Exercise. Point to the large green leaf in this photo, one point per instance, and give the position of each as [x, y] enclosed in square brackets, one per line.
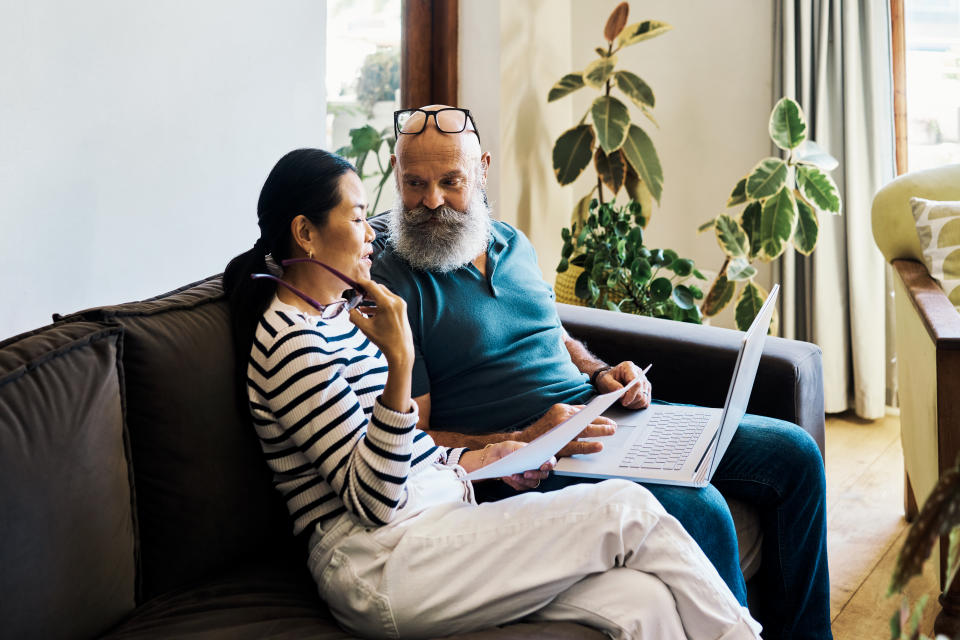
[640, 31]
[731, 237]
[787, 126]
[750, 222]
[599, 71]
[719, 296]
[572, 153]
[751, 299]
[611, 119]
[638, 90]
[739, 193]
[766, 178]
[808, 227]
[818, 188]
[567, 84]
[612, 169]
[638, 148]
[739, 269]
[776, 223]
[811, 153]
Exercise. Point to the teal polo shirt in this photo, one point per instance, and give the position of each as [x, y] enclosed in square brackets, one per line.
[489, 350]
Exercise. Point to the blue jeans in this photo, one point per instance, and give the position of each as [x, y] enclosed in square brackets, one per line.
[776, 467]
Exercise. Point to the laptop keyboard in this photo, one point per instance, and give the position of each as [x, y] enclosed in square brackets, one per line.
[672, 438]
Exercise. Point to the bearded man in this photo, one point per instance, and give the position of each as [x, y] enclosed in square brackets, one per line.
[493, 362]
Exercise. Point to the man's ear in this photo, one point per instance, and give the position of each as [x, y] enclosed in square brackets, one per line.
[393, 160]
[485, 163]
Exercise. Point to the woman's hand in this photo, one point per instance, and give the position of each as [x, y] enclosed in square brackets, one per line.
[473, 460]
[388, 328]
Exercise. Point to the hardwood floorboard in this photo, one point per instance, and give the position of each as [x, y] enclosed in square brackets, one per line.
[865, 528]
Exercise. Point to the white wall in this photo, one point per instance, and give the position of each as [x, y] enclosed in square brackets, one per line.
[135, 137]
[712, 78]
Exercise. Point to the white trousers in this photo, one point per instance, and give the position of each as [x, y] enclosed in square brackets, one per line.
[606, 555]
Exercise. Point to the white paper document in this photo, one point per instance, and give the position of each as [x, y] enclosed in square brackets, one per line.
[540, 450]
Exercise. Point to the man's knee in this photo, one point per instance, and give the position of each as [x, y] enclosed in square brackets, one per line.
[702, 512]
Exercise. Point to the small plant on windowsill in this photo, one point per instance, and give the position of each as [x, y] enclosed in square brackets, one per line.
[620, 274]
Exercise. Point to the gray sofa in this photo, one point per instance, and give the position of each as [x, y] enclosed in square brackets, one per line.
[134, 502]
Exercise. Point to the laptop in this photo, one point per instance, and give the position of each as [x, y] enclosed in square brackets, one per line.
[677, 445]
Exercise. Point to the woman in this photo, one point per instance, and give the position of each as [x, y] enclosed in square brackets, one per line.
[398, 545]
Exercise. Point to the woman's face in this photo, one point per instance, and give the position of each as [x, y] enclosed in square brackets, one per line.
[344, 242]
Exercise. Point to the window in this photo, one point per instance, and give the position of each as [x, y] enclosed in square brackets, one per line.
[932, 57]
[363, 87]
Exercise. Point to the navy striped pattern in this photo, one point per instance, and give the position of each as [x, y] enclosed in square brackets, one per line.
[314, 388]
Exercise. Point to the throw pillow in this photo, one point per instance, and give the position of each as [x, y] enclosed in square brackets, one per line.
[938, 227]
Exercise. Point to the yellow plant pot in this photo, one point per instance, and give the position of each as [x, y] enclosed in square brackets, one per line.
[563, 287]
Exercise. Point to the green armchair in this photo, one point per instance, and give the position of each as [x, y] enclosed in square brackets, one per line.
[928, 350]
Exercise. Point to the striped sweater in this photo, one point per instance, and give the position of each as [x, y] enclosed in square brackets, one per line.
[314, 388]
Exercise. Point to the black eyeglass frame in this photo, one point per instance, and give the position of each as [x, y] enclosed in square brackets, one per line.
[397, 132]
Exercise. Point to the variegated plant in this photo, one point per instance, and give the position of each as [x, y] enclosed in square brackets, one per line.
[939, 517]
[783, 198]
[621, 152]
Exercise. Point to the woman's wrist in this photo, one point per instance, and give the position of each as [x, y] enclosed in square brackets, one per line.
[475, 458]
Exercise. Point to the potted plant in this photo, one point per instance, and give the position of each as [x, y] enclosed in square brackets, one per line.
[783, 197]
[940, 516]
[620, 274]
[621, 152]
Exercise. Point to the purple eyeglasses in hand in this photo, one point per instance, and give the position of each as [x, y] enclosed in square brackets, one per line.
[327, 311]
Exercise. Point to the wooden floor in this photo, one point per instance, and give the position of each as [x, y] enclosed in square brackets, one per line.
[865, 527]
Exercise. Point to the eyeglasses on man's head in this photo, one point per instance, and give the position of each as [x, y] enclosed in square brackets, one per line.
[448, 120]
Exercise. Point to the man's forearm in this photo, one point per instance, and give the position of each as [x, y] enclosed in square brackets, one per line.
[471, 441]
[581, 356]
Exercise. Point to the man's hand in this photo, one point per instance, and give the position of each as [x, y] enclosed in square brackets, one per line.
[601, 426]
[619, 376]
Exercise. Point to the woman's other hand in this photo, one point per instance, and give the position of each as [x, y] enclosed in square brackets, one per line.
[473, 460]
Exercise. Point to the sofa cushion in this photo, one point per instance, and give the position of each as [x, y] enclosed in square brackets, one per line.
[204, 495]
[277, 601]
[67, 568]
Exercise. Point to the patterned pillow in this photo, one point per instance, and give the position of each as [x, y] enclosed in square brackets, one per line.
[938, 226]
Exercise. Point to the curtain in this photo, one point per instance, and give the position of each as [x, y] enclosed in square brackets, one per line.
[834, 58]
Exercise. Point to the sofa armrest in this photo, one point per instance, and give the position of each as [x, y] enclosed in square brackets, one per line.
[694, 363]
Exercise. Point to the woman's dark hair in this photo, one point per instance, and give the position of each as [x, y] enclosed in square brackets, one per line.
[305, 181]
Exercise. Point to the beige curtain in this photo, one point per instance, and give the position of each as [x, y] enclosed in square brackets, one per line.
[833, 57]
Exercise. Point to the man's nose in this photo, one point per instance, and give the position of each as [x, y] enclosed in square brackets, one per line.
[433, 198]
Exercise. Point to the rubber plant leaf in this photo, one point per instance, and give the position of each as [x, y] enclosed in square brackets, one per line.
[787, 125]
[572, 153]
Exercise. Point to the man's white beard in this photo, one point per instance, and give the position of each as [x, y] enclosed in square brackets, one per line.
[441, 239]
